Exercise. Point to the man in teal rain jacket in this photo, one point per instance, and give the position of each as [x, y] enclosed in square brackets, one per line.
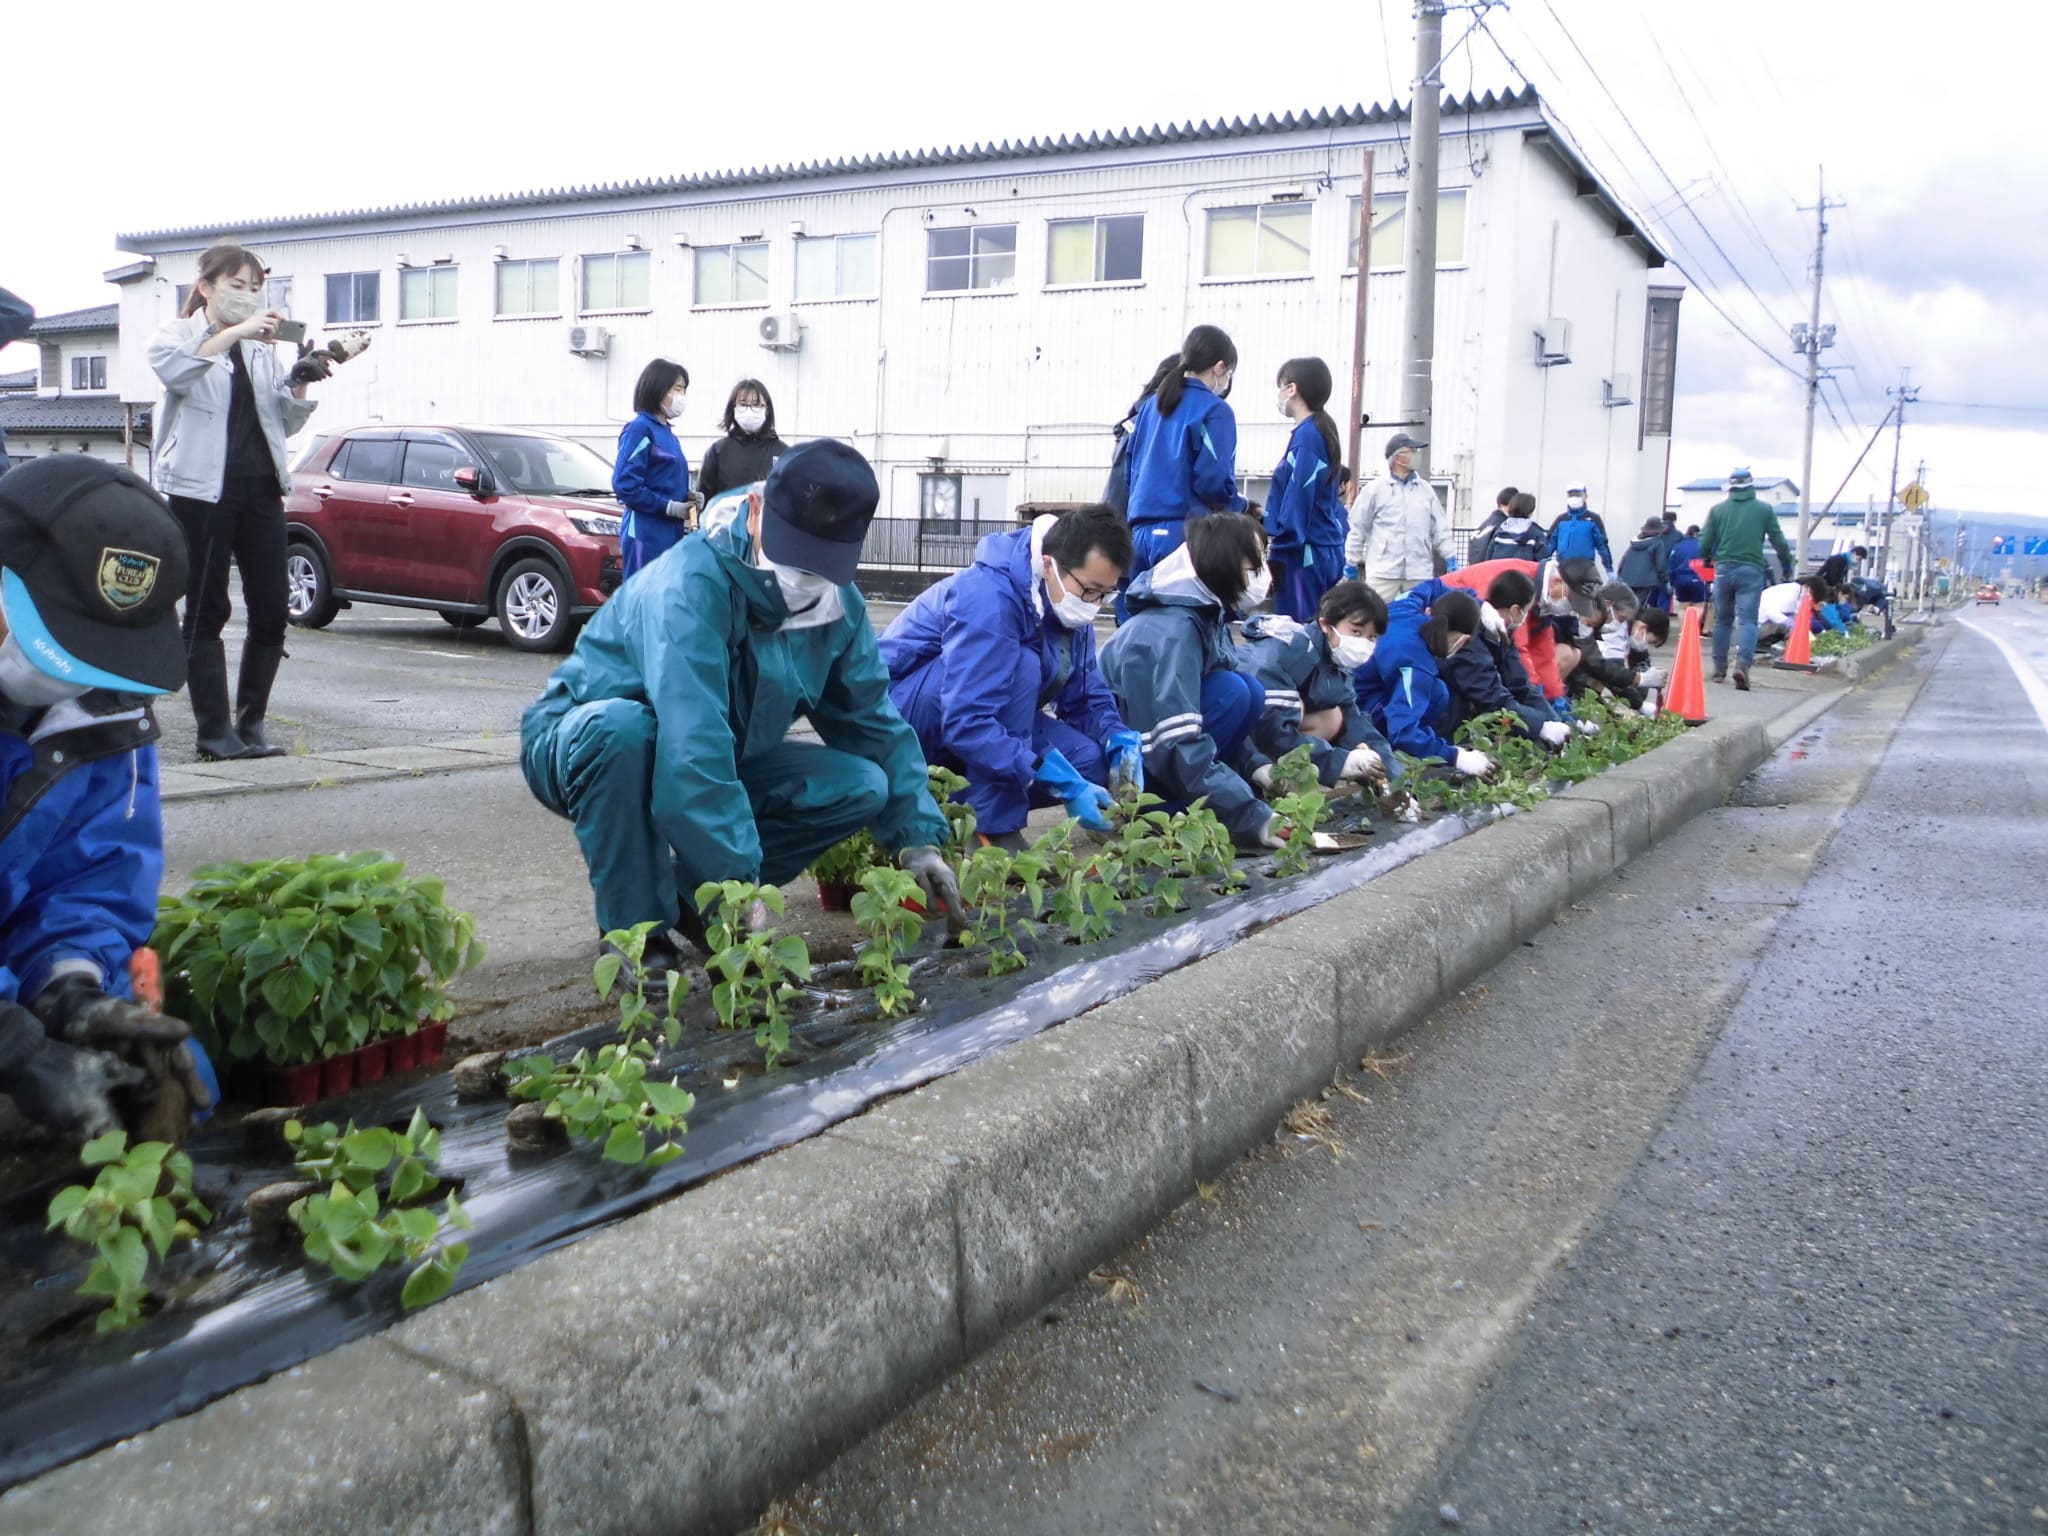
[662, 737]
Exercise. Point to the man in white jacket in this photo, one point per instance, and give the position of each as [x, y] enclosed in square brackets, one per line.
[1399, 531]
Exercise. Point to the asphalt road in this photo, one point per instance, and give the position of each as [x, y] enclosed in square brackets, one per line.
[1720, 1208]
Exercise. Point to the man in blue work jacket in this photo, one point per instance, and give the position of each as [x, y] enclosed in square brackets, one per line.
[663, 736]
[92, 565]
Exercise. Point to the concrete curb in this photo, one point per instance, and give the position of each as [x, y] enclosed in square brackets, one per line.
[366, 765]
[673, 1371]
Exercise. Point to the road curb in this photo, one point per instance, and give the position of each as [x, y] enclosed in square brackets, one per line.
[673, 1371]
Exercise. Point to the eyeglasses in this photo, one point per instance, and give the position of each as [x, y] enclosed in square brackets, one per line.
[1087, 593]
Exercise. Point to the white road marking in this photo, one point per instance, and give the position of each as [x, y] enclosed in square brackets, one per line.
[2029, 679]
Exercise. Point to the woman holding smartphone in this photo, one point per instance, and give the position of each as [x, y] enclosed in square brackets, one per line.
[228, 407]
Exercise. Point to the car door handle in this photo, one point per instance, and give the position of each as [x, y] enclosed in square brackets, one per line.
[323, 491]
[400, 500]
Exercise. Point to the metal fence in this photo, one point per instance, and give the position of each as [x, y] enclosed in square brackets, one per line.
[927, 544]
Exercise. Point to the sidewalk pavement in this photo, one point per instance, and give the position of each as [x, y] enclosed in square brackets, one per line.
[191, 781]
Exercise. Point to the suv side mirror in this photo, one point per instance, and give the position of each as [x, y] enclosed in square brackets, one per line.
[475, 480]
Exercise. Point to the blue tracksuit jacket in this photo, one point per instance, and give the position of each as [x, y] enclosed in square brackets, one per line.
[974, 661]
[650, 472]
[1300, 675]
[1177, 635]
[1403, 687]
[1184, 465]
[1579, 535]
[1302, 509]
[81, 841]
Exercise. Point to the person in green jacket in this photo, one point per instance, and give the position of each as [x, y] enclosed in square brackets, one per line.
[662, 737]
[1733, 545]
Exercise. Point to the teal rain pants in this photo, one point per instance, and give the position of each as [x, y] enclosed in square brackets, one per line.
[596, 767]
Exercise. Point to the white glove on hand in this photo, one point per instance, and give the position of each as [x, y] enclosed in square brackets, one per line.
[1650, 710]
[1362, 763]
[1473, 764]
[1490, 617]
[1274, 833]
[1262, 778]
[1588, 727]
[1555, 733]
[1650, 677]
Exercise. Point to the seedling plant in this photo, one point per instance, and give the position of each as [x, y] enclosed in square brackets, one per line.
[992, 881]
[847, 860]
[371, 1215]
[754, 969]
[892, 930]
[624, 957]
[607, 1096]
[1083, 885]
[960, 818]
[141, 1202]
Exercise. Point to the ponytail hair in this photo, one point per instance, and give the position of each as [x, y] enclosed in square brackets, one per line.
[220, 261]
[1206, 346]
[1455, 613]
[1310, 377]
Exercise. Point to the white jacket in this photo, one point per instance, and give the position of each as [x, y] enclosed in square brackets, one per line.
[191, 426]
[1398, 531]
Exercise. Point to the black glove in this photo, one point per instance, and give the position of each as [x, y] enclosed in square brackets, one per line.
[935, 878]
[313, 368]
[76, 1012]
[62, 1088]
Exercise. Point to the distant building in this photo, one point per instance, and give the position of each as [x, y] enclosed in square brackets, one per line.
[976, 319]
[72, 403]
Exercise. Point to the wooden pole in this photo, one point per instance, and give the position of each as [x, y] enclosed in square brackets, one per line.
[1358, 322]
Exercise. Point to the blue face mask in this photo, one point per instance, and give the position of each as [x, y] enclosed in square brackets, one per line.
[28, 684]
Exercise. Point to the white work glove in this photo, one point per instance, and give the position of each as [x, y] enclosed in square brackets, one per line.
[1490, 617]
[1475, 765]
[1650, 709]
[1650, 677]
[1362, 763]
[1262, 778]
[1588, 727]
[1555, 733]
[1401, 805]
[1274, 833]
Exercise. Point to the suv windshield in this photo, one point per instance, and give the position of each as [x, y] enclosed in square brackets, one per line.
[545, 466]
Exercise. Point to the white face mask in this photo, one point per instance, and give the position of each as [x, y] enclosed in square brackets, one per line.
[750, 418]
[1284, 402]
[28, 684]
[1353, 651]
[1074, 612]
[1576, 503]
[672, 407]
[234, 306]
[812, 600]
[1257, 590]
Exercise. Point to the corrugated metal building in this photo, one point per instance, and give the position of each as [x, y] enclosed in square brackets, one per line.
[975, 319]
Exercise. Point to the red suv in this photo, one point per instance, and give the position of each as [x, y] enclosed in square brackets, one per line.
[472, 522]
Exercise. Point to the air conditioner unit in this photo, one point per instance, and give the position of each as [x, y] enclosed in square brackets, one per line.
[781, 333]
[1618, 391]
[1554, 342]
[589, 340]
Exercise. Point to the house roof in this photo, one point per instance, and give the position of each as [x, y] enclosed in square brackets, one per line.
[1763, 483]
[11, 383]
[101, 317]
[69, 414]
[918, 159]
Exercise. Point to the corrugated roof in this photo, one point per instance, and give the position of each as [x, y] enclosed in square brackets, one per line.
[1720, 483]
[68, 414]
[101, 317]
[10, 382]
[920, 159]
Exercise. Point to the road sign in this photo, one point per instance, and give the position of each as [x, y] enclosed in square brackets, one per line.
[2004, 544]
[1914, 496]
[2036, 546]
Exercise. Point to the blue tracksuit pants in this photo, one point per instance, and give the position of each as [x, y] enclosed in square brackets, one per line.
[1150, 544]
[1298, 587]
[993, 807]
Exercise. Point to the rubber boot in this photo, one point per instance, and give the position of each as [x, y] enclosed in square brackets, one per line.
[206, 682]
[252, 698]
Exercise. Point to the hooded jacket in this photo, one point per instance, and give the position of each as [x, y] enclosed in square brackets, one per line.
[1536, 639]
[1184, 465]
[1398, 530]
[975, 659]
[81, 841]
[1302, 508]
[1487, 673]
[1177, 635]
[736, 459]
[650, 474]
[698, 638]
[1301, 677]
[1403, 687]
[1646, 562]
[1579, 534]
[1737, 528]
[192, 424]
[1516, 538]
[1686, 581]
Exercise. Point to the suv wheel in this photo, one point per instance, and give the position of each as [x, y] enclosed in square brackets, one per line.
[461, 620]
[533, 606]
[309, 591]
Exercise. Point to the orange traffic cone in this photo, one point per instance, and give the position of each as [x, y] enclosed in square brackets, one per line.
[1798, 655]
[1686, 696]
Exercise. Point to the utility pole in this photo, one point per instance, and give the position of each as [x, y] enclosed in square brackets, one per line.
[1809, 339]
[1902, 397]
[1358, 325]
[1419, 223]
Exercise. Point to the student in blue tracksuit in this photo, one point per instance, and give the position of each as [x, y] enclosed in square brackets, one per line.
[1307, 671]
[977, 660]
[1173, 669]
[1304, 518]
[651, 477]
[1487, 675]
[1404, 689]
[92, 565]
[1183, 452]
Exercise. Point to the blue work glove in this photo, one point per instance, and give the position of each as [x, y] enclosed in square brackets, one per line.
[1562, 708]
[1085, 802]
[1351, 573]
[1126, 751]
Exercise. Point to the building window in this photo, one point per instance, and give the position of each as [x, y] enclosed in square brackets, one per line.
[529, 287]
[184, 292]
[352, 297]
[617, 280]
[277, 295]
[426, 293]
[969, 257]
[1660, 365]
[938, 502]
[1266, 240]
[732, 274]
[88, 373]
[1389, 225]
[1102, 250]
[835, 267]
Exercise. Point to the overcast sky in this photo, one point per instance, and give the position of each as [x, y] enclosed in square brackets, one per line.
[120, 119]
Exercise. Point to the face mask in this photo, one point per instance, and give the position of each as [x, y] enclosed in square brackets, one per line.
[28, 684]
[1074, 612]
[233, 306]
[1224, 392]
[1284, 402]
[1576, 503]
[673, 407]
[1353, 651]
[1257, 590]
[750, 418]
[812, 600]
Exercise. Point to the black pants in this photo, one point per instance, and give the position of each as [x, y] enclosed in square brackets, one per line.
[246, 526]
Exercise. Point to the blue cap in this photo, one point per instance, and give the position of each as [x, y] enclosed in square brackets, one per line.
[815, 509]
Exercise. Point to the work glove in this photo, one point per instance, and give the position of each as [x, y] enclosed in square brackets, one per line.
[1650, 709]
[1588, 727]
[1555, 733]
[1262, 778]
[1490, 617]
[65, 1089]
[1273, 834]
[1360, 764]
[77, 1012]
[1351, 573]
[1475, 765]
[1650, 677]
[313, 368]
[1126, 751]
[934, 876]
[1401, 806]
[1085, 802]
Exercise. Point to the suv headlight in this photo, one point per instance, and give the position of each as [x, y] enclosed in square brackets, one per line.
[597, 524]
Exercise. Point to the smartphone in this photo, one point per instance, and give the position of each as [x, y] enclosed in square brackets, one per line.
[293, 331]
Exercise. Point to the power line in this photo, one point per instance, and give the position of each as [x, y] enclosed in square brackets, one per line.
[1988, 405]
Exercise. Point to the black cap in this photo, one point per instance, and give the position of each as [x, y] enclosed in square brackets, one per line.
[1402, 440]
[1582, 577]
[92, 565]
[815, 509]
